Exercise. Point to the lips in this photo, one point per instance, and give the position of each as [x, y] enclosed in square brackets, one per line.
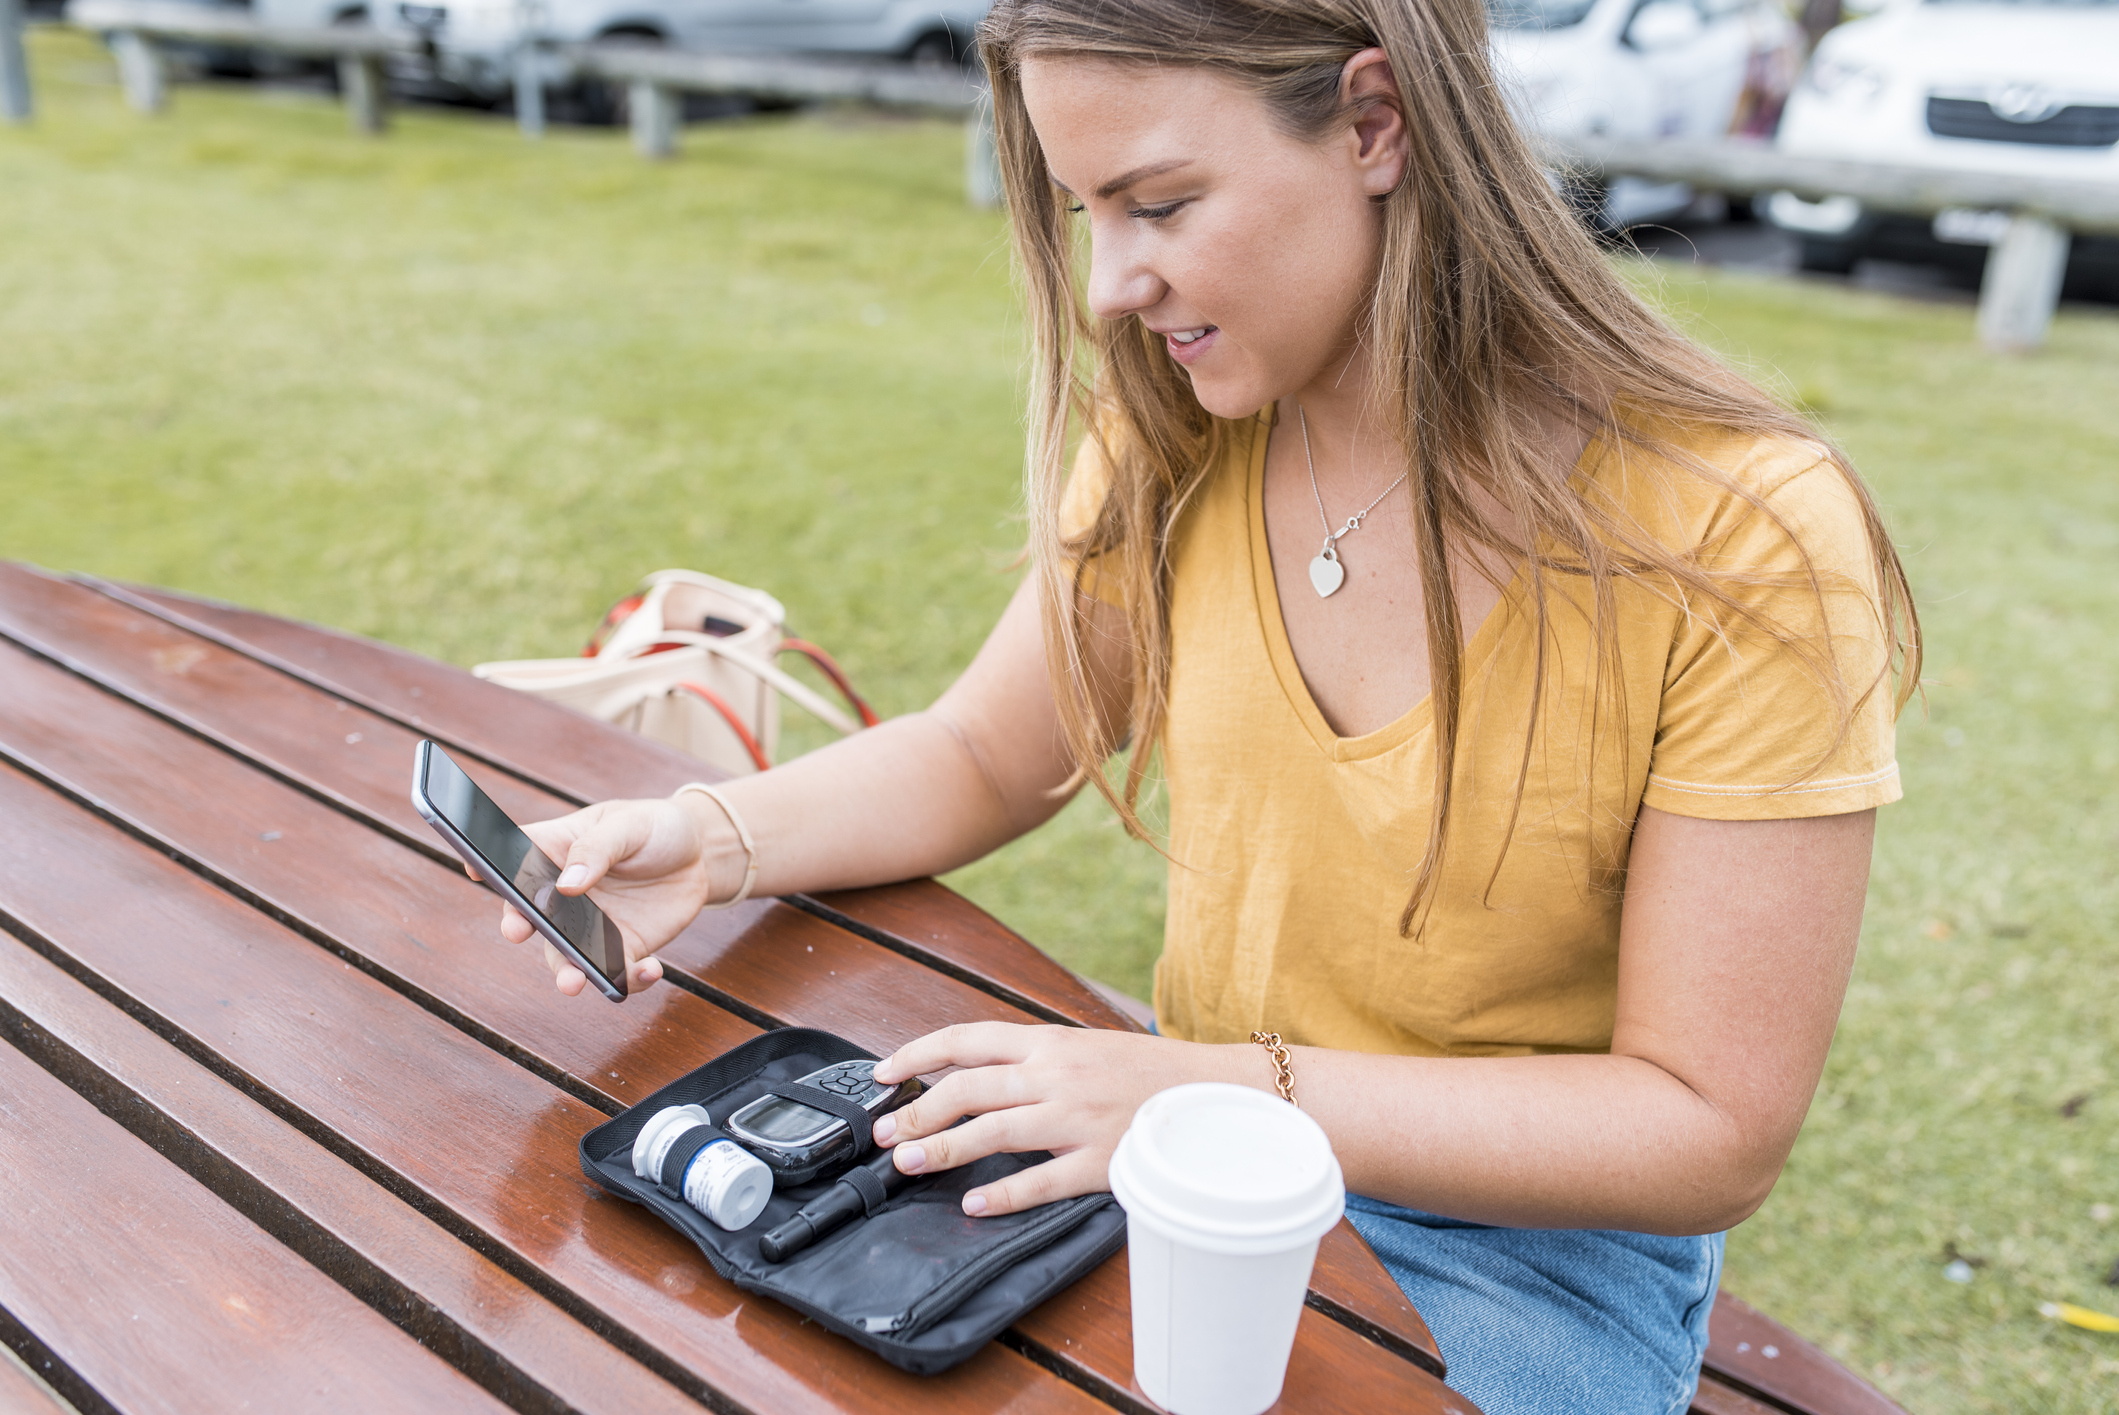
[1188, 345]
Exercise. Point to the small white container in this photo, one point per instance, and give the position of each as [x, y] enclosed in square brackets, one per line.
[724, 1181]
[1227, 1191]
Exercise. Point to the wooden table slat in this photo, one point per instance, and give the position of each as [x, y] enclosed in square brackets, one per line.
[1798, 1375]
[1714, 1398]
[1331, 1368]
[429, 929]
[152, 1289]
[545, 743]
[22, 1390]
[484, 1321]
[218, 690]
[479, 1144]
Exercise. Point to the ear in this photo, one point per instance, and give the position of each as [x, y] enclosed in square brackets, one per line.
[1377, 136]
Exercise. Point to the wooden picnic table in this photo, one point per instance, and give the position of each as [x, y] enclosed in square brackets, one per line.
[286, 1125]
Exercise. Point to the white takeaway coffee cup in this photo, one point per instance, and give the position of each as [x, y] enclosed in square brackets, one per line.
[1227, 1191]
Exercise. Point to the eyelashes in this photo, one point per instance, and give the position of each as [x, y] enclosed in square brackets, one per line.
[1140, 213]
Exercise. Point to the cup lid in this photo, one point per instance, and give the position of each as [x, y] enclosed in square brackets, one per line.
[1229, 1162]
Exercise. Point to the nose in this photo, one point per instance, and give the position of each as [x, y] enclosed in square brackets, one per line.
[1121, 279]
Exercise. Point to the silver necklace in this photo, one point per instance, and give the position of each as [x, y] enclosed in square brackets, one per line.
[1327, 574]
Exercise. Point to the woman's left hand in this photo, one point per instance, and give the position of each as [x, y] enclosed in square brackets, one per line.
[1065, 1089]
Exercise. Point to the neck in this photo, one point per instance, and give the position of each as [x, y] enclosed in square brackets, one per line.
[1349, 437]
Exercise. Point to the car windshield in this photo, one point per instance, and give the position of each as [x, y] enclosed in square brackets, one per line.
[1537, 14]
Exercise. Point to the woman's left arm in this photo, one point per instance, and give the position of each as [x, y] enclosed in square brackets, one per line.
[1736, 942]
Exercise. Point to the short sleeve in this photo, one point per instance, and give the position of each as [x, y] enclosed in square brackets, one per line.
[1749, 726]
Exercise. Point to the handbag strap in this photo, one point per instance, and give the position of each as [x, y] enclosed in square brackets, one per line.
[829, 667]
[729, 715]
[788, 685]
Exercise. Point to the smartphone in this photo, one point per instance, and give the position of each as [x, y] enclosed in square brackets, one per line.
[501, 855]
[798, 1141]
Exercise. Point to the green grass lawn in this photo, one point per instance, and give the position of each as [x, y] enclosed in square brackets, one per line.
[459, 391]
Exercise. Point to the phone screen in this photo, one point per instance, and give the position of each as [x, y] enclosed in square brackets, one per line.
[515, 857]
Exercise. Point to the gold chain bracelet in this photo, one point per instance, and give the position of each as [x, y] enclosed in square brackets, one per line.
[1283, 1066]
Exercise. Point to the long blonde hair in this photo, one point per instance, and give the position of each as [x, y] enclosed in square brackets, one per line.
[1488, 290]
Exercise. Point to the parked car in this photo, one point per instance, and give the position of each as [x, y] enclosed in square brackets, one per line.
[2026, 87]
[1644, 69]
[473, 42]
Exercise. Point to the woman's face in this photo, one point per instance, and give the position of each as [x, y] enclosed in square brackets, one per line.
[1252, 253]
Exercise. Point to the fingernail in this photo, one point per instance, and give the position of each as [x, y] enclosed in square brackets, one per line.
[885, 1128]
[912, 1158]
[573, 875]
[974, 1204]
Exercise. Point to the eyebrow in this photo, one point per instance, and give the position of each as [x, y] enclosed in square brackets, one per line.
[1130, 179]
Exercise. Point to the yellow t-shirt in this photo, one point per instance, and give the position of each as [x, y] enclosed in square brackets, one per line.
[1295, 848]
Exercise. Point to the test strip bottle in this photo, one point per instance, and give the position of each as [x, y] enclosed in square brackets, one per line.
[724, 1181]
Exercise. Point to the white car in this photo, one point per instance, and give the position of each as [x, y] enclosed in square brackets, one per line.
[473, 42]
[2013, 86]
[1644, 69]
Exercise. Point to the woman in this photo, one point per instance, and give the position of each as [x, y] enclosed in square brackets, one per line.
[1521, 679]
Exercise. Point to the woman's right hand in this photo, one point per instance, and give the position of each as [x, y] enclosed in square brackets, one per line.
[648, 865]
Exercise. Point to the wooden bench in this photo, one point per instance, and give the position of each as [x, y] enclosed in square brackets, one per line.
[301, 1126]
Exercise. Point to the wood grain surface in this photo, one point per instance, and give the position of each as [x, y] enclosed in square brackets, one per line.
[1797, 1376]
[24, 1392]
[517, 1344]
[480, 1144]
[1714, 1398]
[1331, 1369]
[152, 1289]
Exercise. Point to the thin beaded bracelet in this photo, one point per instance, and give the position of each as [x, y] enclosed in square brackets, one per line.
[750, 848]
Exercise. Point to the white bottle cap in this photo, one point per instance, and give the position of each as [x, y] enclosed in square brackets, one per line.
[724, 1181]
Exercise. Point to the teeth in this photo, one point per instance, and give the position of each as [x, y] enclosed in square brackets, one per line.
[1187, 336]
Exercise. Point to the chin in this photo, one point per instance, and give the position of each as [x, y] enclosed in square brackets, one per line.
[1231, 398]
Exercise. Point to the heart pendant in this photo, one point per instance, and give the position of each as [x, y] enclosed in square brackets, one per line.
[1326, 575]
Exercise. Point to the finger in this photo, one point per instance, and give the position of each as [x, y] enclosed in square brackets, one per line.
[1000, 1132]
[646, 973]
[1082, 1172]
[590, 841]
[966, 1044]
[569, 979]
[513, 926]
[957, 1095]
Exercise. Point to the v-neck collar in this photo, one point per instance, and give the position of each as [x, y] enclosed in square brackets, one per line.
[1417, 718]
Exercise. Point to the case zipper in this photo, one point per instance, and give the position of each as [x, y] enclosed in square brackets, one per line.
[944, 1297]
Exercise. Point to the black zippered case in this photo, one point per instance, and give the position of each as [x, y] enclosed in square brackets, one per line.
[916, 1281]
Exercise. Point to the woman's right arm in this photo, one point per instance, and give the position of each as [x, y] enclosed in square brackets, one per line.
[917, 795]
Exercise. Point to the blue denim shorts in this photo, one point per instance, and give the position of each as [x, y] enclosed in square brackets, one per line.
[1553, 1321]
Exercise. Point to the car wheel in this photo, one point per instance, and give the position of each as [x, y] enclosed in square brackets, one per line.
[936, 49]
[608, 102]
[1828, 255]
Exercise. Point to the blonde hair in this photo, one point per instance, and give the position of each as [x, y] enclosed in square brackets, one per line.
[1488, 289]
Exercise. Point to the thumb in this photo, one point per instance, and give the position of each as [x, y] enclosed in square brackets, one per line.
[588, 860]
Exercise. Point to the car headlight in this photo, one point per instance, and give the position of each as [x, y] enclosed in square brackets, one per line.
[1849, 80]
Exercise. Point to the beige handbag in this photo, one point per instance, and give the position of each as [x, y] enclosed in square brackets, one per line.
[689, 660]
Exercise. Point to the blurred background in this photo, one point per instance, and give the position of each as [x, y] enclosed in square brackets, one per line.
[440, 323]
